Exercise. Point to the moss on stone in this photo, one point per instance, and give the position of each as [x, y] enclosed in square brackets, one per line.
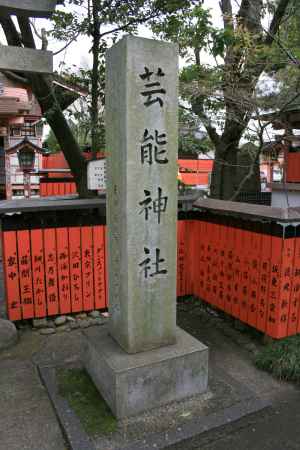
[77, 388]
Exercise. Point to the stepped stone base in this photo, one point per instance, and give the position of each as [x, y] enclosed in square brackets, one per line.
[134, 383]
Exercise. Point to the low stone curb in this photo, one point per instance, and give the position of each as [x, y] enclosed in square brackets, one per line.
[69, 422]
[78, 439]
[201, 425]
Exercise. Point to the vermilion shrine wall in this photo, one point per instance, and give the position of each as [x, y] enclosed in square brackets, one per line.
[250, 270]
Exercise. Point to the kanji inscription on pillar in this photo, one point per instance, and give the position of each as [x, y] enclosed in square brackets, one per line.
[141, 117]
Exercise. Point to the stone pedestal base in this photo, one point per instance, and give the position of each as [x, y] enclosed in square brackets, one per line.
[134, 383]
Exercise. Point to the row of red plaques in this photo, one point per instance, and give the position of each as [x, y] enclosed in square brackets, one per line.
[252, 276]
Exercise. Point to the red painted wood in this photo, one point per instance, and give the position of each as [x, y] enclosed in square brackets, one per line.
[274, 291]
[50, 256]
[245, 279]
[38, 273]
[63, 270]
[264, 282]
[75, 269]
[87, 268]
[11, 275]
[294, 317]
[189, 254]
[208, 263]
[255, 262]
[99, 266]
[221, 275]
[229, 252]
[25, 273]
[293, 167]
[284, 300]
[237, 274]
[50, 189]
[198, 256]
[181, 268]
[215, 263]
[43, 190]
[202, 259]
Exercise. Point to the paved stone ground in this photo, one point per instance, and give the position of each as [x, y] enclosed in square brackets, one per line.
[274, 429]
[277, 428]
[28, 422]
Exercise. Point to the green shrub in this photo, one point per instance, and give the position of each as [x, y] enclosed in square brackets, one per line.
[281, 358]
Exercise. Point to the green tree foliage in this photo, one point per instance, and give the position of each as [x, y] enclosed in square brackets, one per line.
[104, 22]
[50, 143]
[224, 95]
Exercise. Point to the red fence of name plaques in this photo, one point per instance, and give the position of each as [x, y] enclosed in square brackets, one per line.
[251, 273]
[57, 188]
[54, 271]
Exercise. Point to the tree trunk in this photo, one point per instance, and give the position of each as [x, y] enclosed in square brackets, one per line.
[223, 180]
[229, 173]
[95, 77]
[216, 175]
[42, 90]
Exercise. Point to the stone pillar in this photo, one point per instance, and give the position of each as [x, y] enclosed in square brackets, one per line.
[143, 361]
[141, 120]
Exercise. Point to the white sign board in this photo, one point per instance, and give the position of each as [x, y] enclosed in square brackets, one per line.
[96, 173]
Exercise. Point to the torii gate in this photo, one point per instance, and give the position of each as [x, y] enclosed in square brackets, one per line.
[20, 59]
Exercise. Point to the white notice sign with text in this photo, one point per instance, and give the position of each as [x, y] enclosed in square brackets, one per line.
[96, 174]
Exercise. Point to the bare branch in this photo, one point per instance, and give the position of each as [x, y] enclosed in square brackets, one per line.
[283, 48]
[211, 130]
[276, 21]
[67, 44]
[131, 22]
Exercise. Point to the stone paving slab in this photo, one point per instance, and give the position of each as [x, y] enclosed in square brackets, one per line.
[27, 420]
[227, 401]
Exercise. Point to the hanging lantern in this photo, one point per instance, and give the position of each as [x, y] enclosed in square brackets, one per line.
[26, 157]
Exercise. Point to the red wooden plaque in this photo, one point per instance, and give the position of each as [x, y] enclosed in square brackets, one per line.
[284, 299]
[264, 282]
[63, 270]
[11, 275]
[274, 291]
[255, 262]
[25, 273]
[51, 271]
[99, 266]
[87, 268]
[38, 273]
[75, 269]
[294, 318]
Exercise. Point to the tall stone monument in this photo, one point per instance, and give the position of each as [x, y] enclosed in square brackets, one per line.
[142, 116]
[143, 360]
